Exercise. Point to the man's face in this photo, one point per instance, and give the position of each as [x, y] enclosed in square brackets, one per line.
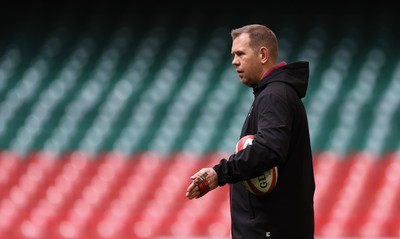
[246, 61]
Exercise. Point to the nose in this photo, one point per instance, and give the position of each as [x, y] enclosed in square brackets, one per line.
[235, 62]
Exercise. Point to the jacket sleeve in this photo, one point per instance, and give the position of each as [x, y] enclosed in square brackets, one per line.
[270, 145]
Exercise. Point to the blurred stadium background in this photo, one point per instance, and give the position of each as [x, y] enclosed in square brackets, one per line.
[106, 110]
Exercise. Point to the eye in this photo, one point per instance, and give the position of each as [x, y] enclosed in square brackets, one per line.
[239, 54]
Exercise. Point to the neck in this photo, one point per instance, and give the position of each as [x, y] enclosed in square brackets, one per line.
[275, 66]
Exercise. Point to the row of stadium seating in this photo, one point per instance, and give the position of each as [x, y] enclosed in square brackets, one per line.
[142, 196]
[128, 89]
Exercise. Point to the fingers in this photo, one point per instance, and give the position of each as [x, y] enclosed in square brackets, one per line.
[199, 185]
[192, 191]
[202, 183]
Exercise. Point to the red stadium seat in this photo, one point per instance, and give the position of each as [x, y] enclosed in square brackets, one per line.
[328, 177]
[9, 214]
[383, 209]
[68, 230]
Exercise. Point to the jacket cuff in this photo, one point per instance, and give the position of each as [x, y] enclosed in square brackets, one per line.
[222, 177]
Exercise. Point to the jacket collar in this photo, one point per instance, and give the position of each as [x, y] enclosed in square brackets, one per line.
[273, 68]
[256, 85]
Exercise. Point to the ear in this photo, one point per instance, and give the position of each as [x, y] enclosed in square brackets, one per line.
[264, 55]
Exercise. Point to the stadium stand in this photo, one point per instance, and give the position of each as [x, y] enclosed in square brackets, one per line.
[98, 108]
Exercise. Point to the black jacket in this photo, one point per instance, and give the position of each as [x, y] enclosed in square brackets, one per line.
[278, 120]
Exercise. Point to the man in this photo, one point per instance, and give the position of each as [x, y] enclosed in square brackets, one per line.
[278, 120]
